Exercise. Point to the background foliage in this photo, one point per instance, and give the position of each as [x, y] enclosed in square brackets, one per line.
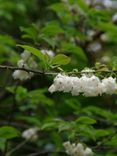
[55, 25]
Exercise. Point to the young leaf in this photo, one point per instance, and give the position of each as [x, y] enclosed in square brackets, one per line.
[73, 49]
[52, 29]
[85, 120]
[8, 132]
[114, 62]
[113, 141]
[101, 133]
[30, 32]
[58, 7]
[60, 59]
[83, 6]
[49, 125]
[34, 51]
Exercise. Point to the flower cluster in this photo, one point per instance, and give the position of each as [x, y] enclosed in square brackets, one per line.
[77, 149]
[30, 134]
[88, 85]
[23, 63]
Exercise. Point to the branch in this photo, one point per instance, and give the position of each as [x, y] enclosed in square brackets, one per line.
[16, 148]
[39, 72]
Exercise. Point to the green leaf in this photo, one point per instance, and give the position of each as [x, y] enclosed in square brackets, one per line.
[58, 7]
[114, 62]
[73, 49]
[52, 29]
[8, 132]
[101, 133]
[97, 17]
[62, 12]
[85, 120]
[30, 119]
[113, 141]
[83, 6]
[34, 51]
[60, 59]
[49, 125]
[30, 32]
[7, 40]
[50, 41]
[65, 126]
[100, 112]
[87, 131]
[37, 96]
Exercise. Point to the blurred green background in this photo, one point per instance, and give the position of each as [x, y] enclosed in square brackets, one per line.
[87, 33]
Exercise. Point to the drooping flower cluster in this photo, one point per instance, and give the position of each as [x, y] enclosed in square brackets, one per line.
[23, 63]
[30, 134]
[77, 149]
[89, 86]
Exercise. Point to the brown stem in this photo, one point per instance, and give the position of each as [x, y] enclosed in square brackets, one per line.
[38, 72]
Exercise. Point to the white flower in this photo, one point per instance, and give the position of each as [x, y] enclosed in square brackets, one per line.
[63, 83]
[109, 85]
[88, 2]
[91, 86]
[30, 134]
[114, 5]
[107, 3]
[21, 64]
[114, 18]
[68, 83]
[105, 59]
[52, 88]
[21, 75]
[95, 46]
[104, 37]
[69, 147]
[77, 86]
[90, 34]
[25, 55]
[59, 82]
[48, 52]
[88, 151]
[77, 149]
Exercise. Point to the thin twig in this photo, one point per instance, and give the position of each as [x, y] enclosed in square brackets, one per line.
[38, 72]
[44, 152]
[16, 148]
[5, 149]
